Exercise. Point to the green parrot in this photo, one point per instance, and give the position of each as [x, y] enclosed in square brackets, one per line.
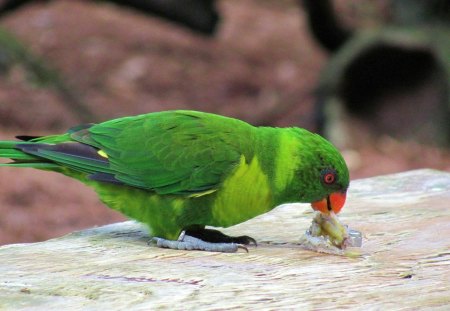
[180, 171]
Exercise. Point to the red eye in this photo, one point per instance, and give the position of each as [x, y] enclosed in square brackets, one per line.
[328, 178]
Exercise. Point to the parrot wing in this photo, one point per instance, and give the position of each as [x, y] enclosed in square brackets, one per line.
[172, 152]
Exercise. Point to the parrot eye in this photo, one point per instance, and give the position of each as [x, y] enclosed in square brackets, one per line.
[328, 176]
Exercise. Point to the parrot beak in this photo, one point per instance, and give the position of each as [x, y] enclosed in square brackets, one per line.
[333, 202]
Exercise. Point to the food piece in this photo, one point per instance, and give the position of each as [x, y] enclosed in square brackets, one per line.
[327, 234]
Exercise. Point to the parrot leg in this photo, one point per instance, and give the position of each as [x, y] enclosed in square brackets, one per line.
[215, 236]
[186, 242]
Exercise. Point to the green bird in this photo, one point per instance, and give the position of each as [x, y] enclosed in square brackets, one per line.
[179, 171]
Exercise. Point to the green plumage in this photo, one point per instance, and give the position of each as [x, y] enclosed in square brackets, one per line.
[176, 170]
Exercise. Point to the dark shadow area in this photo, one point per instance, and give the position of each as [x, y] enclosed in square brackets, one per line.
[385, 70]
[400, 91]
[325, 25]
[199, 16]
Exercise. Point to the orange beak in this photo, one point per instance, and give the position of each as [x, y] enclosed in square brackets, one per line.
[334, 202]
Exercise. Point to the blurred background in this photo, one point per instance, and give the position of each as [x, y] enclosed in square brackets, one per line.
[372, 76]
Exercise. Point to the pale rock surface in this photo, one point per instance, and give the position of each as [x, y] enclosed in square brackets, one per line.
[405, 261]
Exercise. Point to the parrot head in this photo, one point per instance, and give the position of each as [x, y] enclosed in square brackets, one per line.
[333, 177]
[327, 175]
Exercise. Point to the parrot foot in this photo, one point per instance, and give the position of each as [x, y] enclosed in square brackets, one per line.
[215, 236]
[186, 242]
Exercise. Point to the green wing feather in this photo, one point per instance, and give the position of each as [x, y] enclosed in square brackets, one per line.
[171, 152]
[174, 152]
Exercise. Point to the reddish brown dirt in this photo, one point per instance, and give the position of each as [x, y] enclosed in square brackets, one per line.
[261, 64]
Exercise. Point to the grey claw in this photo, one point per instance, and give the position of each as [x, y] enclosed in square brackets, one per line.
[241, 246]
[252, 241]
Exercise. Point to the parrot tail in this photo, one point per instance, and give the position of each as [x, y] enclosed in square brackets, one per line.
[9, 150]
